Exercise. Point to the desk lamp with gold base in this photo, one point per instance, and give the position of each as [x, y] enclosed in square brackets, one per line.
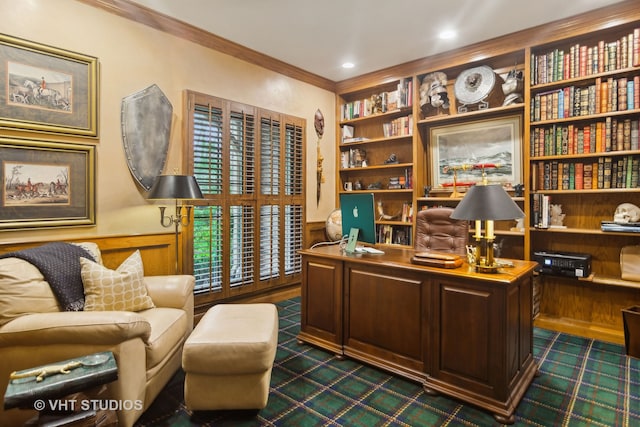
[486, 203]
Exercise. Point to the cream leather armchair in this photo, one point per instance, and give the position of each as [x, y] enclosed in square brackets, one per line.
[147, 344]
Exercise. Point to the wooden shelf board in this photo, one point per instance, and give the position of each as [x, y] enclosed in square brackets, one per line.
[544, 87]
[593, 191]
[445, 118]
[590, 231]
[406, 110]
[580, 328]
[444, 199]
[585, 155]
[589, 117]
[611, 281]
[402, 223]
[376, 140]
[374, 167]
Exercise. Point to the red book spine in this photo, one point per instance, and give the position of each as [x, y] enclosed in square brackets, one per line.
[586, 147]
[601, 55]
[579, 177]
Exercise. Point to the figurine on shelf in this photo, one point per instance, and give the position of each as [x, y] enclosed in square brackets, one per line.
[518, 190]
[626, 213]
[556, 216]
[392, 159]
[376, 104]
[512, 88]
[356, 157]
[433, 94]
[519, 227]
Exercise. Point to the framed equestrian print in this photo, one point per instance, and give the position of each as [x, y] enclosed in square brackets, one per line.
[47, 89]
[46, 184]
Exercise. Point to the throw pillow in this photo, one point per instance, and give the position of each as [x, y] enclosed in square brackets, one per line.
[122, 289]
[93, 249]
[23, 290]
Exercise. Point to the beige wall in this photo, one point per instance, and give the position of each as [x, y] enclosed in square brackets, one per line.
[131, 57]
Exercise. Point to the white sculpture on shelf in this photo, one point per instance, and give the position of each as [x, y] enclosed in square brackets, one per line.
[556, 216]
[626, 213]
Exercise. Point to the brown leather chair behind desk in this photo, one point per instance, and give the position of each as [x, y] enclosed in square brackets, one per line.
[437, 232]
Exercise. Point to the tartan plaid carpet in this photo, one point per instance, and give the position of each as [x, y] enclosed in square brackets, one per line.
[582, 382]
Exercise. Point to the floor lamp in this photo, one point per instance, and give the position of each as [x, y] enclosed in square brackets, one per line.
[177, 187]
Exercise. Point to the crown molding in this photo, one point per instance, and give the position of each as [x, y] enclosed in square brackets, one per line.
[169, 25]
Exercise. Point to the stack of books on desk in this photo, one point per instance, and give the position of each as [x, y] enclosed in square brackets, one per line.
[630, 227]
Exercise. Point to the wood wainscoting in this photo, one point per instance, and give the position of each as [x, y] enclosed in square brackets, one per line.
[158, 256]
[314, 233]
[157, 250]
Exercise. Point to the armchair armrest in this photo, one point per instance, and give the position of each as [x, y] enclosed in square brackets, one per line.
[173, 291]
[75, 327]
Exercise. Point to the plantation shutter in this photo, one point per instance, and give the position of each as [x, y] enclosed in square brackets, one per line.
[250, 166]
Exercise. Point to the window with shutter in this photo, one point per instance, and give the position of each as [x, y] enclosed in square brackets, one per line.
[248, 229]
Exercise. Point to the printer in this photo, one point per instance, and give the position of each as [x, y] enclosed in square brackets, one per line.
[569, 264]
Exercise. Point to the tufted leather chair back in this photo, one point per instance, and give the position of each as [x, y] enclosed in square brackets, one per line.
[436, 231]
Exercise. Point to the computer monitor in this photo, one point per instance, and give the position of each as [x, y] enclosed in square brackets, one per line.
[358, 211]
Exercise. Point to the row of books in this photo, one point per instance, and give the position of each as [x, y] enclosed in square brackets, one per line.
[611, 134]
[542, 217]
[604, 96]
[383, 102]
[540, 210]
[401, 182]
[394, 234]
[582, 60]
[603, 173]
[348, 135]
[353, 158]
[402, 126]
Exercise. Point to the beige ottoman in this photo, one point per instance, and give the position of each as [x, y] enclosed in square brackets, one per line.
[229, 356]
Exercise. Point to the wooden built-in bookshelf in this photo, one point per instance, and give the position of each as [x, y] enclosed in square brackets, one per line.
[376, 154]
[584, 113]
[588, 306]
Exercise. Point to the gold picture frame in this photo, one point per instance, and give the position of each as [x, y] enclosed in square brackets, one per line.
[46, 184]
[464, 148]
[47, 89]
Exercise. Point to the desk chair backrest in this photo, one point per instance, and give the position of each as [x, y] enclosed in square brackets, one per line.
[437, 232]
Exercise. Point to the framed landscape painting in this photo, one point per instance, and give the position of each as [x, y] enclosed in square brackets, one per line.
[47, 89]
[46, 184]
[467, 150]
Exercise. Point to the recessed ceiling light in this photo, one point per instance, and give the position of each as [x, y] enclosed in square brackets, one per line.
[348, 65]
[447, 34]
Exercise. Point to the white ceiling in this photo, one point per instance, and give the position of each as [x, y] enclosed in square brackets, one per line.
[318, 36]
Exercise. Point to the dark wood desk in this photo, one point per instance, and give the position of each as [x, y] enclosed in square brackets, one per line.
[461, 333]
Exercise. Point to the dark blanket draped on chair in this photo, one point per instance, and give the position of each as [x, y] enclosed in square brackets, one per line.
[59, 263]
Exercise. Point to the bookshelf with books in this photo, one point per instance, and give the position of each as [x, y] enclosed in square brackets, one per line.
[376, 154]
[583, 155]
[596, 125]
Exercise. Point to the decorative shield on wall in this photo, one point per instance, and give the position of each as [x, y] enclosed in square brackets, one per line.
[146, 130]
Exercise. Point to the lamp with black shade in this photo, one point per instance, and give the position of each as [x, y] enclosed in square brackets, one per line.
[177, 187]
[486, 203]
